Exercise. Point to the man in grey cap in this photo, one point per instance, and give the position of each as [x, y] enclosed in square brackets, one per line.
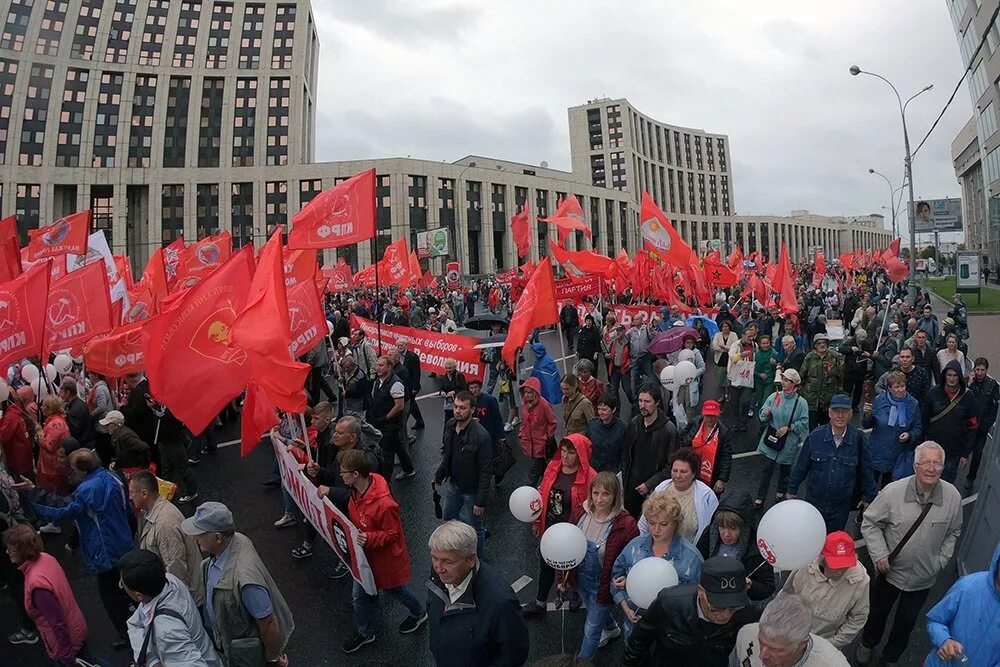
[822, 376]
[244, 610]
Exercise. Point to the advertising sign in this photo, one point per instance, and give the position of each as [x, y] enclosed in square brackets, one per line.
[967, 270]
[433, 243]
[938, 215]
[453, 275]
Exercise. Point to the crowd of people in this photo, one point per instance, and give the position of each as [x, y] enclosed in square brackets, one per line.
[874, 417]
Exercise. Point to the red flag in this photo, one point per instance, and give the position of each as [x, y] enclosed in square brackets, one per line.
[583, 262]
[365, 277]
[415, 270]
[67, 235]
[660, 237]
[300, 266]
[735, 260]
[820, 270]
[535, 308]
[203, 257]
[155, 276]
[124, 269]
[259, 416]
[521, 231]
[718, 274]
[22, 315]
[568, 218]
[342, 215]
[394, 268]
[846, 260]
[192, 364]
[172, 255]
[264, 331]
[701, 291]
[339, 276]
[428, 280]
[116, 353]
[306, 319]
[892, 250]
[78, 308]
[784, 283]
[895, 268]
[10, 254]
[142, 304]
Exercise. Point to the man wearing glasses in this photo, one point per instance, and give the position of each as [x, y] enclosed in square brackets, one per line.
[911, 528]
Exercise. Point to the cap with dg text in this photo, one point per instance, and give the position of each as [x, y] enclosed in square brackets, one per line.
[112, 417]
[210, 517]
[724, 582]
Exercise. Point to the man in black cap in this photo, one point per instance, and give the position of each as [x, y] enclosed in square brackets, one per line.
[695, 624]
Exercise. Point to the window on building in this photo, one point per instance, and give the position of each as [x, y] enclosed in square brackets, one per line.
[71, 117]
[207, 210]
[277, 120]
[276, 205]
[153, 32]
[218, 35]
[106, 120]
[978, 81]
[86, 29]
[172, 212]
[251, 37]
[140, 141]
[8, 79]
[242, 203]
[597, 173]
[210, 137]
[186, 34]
[284, 37]
[383, 202]
[244, 122]
[416, 200]
[27, 205]
[18, 18]
[51, 29]
[498, 204]
[307, 190]
[175, 133]
[102, 206]
[36, 111]
[120, 32]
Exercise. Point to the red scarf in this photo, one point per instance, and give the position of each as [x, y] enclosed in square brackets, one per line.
[706, 445]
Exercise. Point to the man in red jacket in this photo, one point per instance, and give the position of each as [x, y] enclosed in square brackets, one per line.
[14, 440]
[538, 428]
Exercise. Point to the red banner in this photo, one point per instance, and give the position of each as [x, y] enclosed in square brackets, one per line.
[623, 314]
[67, 235]
[116, 353]
[579, 287]
[507, 277]
[433, 348]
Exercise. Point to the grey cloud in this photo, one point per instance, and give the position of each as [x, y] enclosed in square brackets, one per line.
[401, 20]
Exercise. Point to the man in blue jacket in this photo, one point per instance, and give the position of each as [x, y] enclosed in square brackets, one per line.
[101, 512]
[836, 458]
[963, 623]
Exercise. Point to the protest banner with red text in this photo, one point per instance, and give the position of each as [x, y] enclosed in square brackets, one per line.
[578, 287]
[507, 277]
[433, 348]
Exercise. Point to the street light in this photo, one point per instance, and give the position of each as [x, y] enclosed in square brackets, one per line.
[908, 165]
[892, 199]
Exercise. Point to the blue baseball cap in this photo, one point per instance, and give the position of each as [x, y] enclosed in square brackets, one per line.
[841, 401]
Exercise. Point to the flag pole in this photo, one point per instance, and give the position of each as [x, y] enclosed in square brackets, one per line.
[562, 346]
[305, 436]
[378, 318]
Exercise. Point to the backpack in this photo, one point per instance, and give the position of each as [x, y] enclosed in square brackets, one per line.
[503, 460]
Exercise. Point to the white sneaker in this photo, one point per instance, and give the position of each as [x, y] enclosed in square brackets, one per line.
[507, 428]
[608, 635]
[284, 521]
[515, 421]
[50, 529]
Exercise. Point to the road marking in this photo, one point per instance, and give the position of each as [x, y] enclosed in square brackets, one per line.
[519, 585]
[228, 443]
[860, 543]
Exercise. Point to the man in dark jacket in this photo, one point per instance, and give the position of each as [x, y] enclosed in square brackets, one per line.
[325, 471]
[467, 465]
[987, 393]
[733, 533]
[138, 416]
[951, 418]
[836, 458]
[569, 318]
[588, 341]
[473, 615]
[129, 450]
[411, 362]
[607, 436]
[695, 625]
[486, 410]
[386, 414]
[81, 426]
[707, 434]
[355, 387]
[649, 443]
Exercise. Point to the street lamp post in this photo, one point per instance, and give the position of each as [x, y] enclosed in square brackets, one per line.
[892, 199]
[908, 166]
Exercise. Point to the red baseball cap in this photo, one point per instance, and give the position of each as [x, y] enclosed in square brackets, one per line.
[838, 551]
[711, 408]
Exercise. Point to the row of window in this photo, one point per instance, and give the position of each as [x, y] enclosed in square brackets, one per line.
[122, 25]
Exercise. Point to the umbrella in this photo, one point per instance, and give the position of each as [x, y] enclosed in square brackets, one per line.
[709, 323]
[671, 340]
[483, 321]
[496, 340]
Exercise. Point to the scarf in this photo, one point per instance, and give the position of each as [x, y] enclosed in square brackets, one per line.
[897, 411]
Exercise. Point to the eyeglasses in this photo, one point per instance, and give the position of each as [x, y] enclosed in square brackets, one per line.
[348, 472]
[930, 465]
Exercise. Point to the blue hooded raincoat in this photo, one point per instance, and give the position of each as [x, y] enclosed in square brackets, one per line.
[548, 374]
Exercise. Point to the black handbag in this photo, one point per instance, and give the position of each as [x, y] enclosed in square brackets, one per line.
[771, 437]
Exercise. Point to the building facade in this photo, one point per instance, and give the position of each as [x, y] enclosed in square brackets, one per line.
[967, 158]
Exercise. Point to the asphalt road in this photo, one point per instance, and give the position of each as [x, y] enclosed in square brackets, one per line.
[322, 607]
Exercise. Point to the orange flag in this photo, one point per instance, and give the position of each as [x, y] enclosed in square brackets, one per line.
[535, 308]
[258, 417]
[660, 237]
[568, 218]
[263, 330]
[342, 215]
[67, 235]
[22, 315]
[521, 231]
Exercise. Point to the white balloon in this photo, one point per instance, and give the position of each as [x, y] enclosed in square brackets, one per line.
[525, 503]
[63, 363]
[563, 546]
[29, 373]
[684, 372]
[50, 372]
[78, 360]
[647, 578]
[4, 391]
[791, 534]
[39, 387]
[329, 328]
[685, 355]
[667, 377]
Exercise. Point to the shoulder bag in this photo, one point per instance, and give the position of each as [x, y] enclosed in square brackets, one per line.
[142, 659]
[911, 531]
[771, 437]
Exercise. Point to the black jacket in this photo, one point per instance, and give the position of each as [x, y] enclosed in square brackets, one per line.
[467, 460]
[739, 502]
[671, 629]
[794, 360]
[588, 343]
[956, 430]
[569, 316]
[483, 628]
[455, 384]
[987, 393]
[411, 362]
[81, 425]
[646, 458]
[138, 416]
[130, 450]
[723, 455]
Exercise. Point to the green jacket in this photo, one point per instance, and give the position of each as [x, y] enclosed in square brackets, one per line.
[762, 364]
[232, 620]
[821, 378]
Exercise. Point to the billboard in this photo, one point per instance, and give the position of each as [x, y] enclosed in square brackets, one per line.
[433, 243]
[938, 215]
[967, 269]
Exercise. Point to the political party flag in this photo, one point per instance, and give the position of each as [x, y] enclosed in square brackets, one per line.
[820, 270]
[300, 266]
[193, 366]
[202, 257]
[718, 274]
[660, 237]
[306, 319]
[415, 270]
[535, 308]
[10, 254]
[568, 218]
[394, 267]
[79, 308]
[22, 315]
[171, 260]
[895, 267]
[124, 269]
[521, 231]
[583, 262]
[67, 235]
[784, 283]
[735, 260]
[339, 277]
[365, 277]
[258, 417]
[116, 353]
[342, 215]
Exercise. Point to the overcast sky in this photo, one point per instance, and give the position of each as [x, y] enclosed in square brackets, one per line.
[441, 79]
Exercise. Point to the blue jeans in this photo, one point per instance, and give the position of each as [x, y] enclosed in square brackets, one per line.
[364, 605]
[598, 619]
[458, 505]
[643, 366]
[617, 380]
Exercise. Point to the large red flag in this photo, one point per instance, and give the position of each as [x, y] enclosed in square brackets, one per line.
[264, 331]
[10, 254]
[342, 215]
[892, 250]
[202, 258]
[784, 283]
[365, 277]
[67, 235]
[583, 262]
[116, 353]
[895, 267]
[820, 270]
[142, 304]
[300, 266]
[535, 308]
[79, 308]
[155, 276]
[660, 237]
[339, 277]
[394, 268]
[306, 319]
[718, 274]
[568, 218]
[192, 364]
[22, 315]
[521, 231]
[735, 260]
[258, 417]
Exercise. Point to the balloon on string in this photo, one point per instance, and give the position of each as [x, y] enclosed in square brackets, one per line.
[329, 328]
[78, 360]
[4, 391]
[525, 503]
[29, 373]
[563, 546]
[39, 387]
[50, 372]
[791, 534]
[63, 363]
[684, 372]
[685, 355]
[667, 377]
[647, 578]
